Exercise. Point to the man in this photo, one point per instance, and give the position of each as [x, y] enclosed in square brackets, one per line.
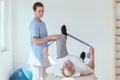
[69, 65]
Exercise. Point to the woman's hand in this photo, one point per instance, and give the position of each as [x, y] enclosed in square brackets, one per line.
[54, 36]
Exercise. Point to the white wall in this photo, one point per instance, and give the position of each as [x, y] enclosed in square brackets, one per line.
[5, 65]
[91, 21]
[22, 14]
[6, 56]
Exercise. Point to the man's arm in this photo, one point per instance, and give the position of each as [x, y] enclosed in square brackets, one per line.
[91, 63]
[47, 63]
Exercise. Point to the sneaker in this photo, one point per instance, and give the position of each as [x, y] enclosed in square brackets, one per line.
[82, 55]
[64, 30]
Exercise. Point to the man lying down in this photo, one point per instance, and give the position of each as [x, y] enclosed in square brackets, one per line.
[68, 65]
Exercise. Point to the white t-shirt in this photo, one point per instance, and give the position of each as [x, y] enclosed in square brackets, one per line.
[80, 67]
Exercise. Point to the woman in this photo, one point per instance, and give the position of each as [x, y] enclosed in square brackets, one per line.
[39, 35]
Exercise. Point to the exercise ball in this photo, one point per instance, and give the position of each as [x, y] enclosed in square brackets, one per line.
[22, 74]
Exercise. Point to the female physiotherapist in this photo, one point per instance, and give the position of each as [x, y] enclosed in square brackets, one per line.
[39, 35]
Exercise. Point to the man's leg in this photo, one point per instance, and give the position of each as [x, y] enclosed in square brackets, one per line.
[91, 62]
[61, 47]
[61, 43]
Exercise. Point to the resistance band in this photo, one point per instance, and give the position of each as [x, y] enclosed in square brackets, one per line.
[88, 54]
[79, 40]
[51, 43]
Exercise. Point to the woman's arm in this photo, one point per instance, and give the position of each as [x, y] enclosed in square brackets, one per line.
[38, 40]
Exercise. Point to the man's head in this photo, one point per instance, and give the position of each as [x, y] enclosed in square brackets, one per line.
[68, 68]
[38, 8]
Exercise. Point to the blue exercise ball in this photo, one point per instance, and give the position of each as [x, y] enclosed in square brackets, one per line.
[22, 74]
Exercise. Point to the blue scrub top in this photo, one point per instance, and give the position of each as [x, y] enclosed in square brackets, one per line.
[38, 28]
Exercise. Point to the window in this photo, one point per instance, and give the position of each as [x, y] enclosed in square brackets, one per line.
[2, 25]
